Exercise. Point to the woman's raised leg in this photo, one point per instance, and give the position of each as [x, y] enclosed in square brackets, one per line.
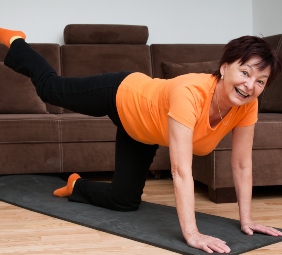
[93, 95]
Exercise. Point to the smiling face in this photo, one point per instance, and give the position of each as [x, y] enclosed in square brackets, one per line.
[242, 83]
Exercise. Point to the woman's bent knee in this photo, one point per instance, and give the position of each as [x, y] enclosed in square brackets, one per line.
[127, 206]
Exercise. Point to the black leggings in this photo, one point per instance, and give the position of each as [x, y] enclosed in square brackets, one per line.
[94, 96]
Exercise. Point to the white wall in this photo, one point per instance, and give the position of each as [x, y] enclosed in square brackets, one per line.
[267, 17]
[169, 21]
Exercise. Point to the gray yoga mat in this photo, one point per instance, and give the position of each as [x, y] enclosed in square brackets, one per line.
[152, 224]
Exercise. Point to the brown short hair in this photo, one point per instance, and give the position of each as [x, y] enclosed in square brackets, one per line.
[246, 47]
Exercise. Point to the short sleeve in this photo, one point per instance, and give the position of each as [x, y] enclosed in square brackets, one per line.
[251, 115]
[182, 106]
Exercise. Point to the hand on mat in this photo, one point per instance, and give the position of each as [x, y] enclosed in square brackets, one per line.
[207, 243]
[250, 227]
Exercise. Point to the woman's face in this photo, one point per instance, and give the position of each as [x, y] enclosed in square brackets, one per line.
[243, 83]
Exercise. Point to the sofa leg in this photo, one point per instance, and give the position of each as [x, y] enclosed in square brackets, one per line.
[157, 174]
[222, 195]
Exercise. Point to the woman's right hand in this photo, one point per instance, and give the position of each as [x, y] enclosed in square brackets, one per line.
[206, 243]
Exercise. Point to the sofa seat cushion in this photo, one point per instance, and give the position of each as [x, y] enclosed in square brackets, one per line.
[88, 156]
[30, 158]
[77, 127]
[29, 128]
[215, 168]
[268, 132]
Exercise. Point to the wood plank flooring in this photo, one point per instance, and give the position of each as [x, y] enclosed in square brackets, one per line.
[25, 232]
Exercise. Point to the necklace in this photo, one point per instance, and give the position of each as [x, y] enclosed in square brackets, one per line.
[224, 123]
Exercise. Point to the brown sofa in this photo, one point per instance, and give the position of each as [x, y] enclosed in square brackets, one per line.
[40, 138]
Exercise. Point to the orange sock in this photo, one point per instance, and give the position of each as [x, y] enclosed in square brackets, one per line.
[6, 36]
[67, 190]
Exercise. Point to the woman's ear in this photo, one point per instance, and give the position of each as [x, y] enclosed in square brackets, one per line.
[223, 68]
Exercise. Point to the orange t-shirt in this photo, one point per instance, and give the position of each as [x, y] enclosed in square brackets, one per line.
[144, 104]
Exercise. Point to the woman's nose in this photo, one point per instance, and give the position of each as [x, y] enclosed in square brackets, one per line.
[250, 83]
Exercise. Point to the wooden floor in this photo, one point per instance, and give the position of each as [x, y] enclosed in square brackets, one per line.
[26, 232]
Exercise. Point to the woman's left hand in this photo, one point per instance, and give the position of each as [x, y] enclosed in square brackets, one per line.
[250, 227]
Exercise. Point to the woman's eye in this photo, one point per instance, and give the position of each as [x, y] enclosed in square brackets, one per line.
[261, 83]
[245, 73]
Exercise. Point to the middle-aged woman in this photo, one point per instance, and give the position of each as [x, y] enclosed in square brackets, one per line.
[190, 113]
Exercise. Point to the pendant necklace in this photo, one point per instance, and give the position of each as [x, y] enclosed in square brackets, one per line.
[224, 123]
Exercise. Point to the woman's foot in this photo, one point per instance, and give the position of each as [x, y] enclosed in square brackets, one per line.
[8, 36]
[67, 190]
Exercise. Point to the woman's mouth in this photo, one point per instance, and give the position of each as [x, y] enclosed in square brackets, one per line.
[241, 93]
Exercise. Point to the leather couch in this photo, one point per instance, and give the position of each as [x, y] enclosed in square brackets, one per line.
[41, 138]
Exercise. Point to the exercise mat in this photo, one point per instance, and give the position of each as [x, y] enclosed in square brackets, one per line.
[152, 224]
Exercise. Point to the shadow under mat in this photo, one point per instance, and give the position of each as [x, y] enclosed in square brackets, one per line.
[152, 224]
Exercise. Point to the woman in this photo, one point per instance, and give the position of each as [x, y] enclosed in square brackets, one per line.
[190, 114]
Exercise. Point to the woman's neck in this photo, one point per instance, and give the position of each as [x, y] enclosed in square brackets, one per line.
[217, 109]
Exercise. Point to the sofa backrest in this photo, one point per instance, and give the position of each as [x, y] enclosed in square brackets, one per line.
[170, 59]
[271, 98]
[20, 95]
[3, 52]
[95, 49]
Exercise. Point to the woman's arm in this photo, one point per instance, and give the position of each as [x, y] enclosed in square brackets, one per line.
[241, 161]
[180, 146]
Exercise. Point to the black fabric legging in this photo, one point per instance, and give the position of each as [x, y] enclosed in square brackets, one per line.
[94, 96]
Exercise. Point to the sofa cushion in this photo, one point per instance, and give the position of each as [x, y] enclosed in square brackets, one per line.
[3, 52]
[17, 93]
[29, 128]
[77, 127]
[171, 70]
[88, 156]
[51, 52]
[95, 49]
[30, 158]
[105, 34]
[270, 100]
[85, 60]
[268, 123]
[268, 131]
[183, 53]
